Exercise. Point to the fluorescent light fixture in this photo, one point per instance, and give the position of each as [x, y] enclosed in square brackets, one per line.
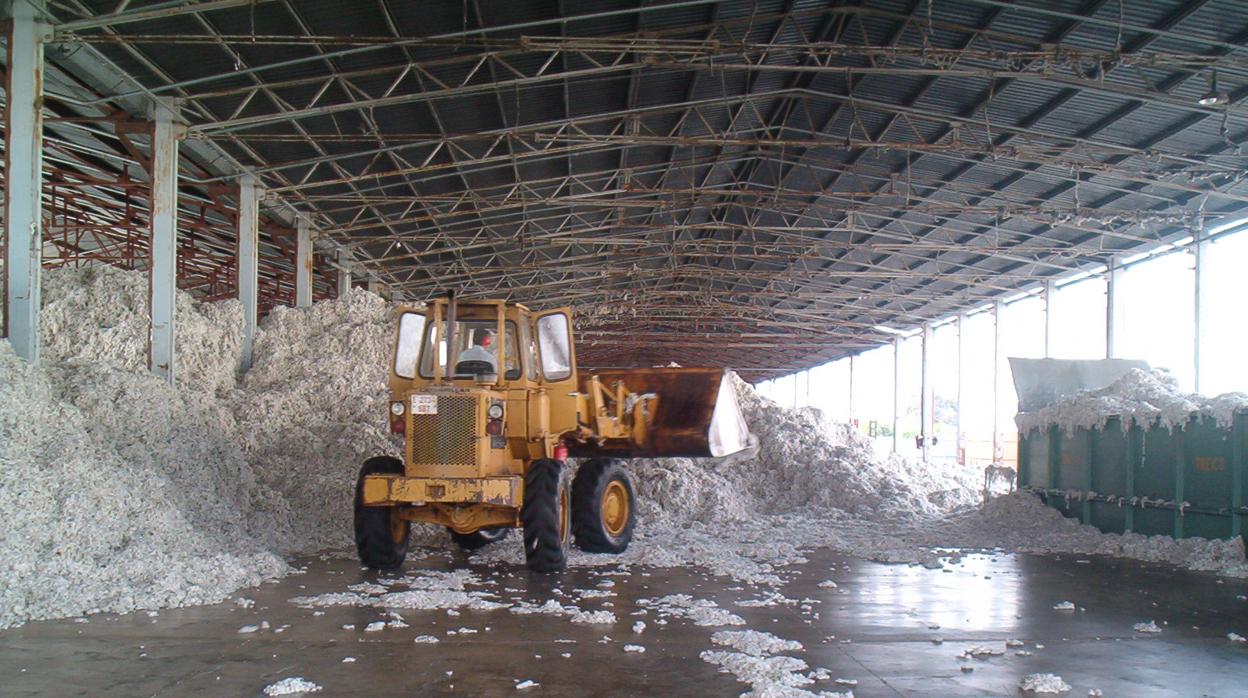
[1214, 98]
[890, 330]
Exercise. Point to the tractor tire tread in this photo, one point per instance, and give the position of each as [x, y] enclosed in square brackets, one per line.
[543, 549]
[373, 541]
[587, 526]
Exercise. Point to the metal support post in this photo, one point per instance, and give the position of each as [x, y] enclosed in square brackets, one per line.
[896, 391]
[344, 273]
[926, 397]
[1050, 288]
[850, 414]
[163, 266]
[23, 175]
[249, 193]
[998, 440]
[303, 263]
[1113, 308]
[1201, 312]
[962, 344]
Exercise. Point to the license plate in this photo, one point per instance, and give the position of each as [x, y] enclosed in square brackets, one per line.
[424, 404]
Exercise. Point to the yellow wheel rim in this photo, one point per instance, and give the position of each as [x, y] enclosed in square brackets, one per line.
[615, 508]
[398, 526]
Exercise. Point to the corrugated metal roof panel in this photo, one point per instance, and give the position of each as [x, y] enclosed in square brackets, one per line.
[1033, 163]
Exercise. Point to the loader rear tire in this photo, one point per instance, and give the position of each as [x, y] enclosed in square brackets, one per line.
[603, 508]
[546, 516]
[381, 537]
[478, 539]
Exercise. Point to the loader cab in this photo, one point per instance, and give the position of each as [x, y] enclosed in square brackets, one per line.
[493, 344]
[514, 366]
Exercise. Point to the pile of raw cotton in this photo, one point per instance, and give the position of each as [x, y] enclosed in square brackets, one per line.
[804, 464]
[1144, 398]
[120, 491]
[117, 490]
[313, 407]
[98, 315]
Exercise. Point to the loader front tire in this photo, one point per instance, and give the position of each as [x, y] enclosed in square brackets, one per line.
[478, 539]
[546, 516]
[603, 511]
[381, 537]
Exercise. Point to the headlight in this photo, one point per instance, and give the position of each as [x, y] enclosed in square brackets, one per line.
[495, 411]
[397, 409]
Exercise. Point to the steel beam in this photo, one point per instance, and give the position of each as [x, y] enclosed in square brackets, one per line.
[926, 397]
[249, 193]
[1050, 288]
[23, 176]
[1201, 247]
[160, 11]
[962, 392]
[344, 273]
[163, 265]
[998, 438]
[1113, 308]
[303, 263]
[850, 412]
[896, 391]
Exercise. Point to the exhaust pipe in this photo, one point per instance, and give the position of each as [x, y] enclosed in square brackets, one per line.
[449, 373]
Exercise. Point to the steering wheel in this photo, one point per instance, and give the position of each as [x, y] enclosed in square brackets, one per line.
[474, 368]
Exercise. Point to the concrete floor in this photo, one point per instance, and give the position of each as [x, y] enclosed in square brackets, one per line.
[879, 615]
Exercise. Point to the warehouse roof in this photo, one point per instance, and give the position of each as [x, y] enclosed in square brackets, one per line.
[750, 183]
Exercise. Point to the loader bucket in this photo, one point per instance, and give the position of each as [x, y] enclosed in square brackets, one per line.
[696, 415]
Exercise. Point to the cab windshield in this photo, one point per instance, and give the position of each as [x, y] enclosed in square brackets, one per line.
[475, 350]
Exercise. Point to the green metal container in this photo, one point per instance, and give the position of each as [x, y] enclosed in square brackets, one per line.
[1138, 479]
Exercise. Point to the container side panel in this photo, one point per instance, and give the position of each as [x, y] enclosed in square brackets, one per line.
[1110, 461]
[1155, 480]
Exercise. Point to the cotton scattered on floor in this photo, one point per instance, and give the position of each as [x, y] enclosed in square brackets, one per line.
[291, 686]
[1043, 683]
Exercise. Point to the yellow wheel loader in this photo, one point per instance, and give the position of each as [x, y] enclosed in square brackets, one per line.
[490, 404]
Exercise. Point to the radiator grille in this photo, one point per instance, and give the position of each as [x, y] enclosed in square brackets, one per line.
[448, 437]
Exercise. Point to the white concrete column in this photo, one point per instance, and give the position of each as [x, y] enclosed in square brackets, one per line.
[375, 286]
[1202, 260]
[998, 440]
[927, 421]
[344, 273]
[303, 263]
[962, 344]
[163, 266]
[23, 176]
[1050, 289]
[249, 193]
[896, 391]
[1114, 315]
